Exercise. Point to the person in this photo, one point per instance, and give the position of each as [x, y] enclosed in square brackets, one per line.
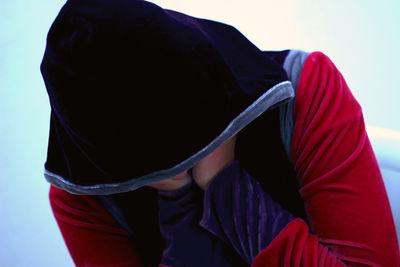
[175, 141]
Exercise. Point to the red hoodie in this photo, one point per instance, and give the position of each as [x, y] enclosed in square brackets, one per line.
[349, 217]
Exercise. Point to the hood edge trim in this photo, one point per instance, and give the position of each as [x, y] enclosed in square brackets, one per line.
[279, 93]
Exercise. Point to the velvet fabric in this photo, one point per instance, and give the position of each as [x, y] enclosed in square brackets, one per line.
[187, 242]
[349, 217]
[350, 220]
[135, 89]
[228, 226]
[239, 212]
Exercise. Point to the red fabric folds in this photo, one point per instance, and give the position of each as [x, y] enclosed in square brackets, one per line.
[92, 236]
[341, 184]
[294, 246]
[345, 199]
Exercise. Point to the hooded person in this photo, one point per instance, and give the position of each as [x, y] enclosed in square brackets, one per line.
[140, 94]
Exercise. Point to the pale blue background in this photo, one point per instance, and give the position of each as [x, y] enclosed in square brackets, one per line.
[360, 36]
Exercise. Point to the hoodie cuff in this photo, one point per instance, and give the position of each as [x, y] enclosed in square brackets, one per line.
[239, 212]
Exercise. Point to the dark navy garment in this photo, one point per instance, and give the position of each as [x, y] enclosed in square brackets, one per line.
[111, 64]
[235, 213]
[187, 243]
[238, 211]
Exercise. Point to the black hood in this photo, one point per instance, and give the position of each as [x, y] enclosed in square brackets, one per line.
[139, 93]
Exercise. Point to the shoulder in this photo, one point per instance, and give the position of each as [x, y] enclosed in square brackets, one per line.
[297, 61]
[319, 89]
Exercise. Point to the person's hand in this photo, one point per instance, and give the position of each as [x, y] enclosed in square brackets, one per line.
[173, 183]
[206, 169]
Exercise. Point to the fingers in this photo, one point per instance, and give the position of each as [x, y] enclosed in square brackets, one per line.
[206, 169]
[173, 183]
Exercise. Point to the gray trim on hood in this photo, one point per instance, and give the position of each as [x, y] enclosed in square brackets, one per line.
[293, 65]
[278, 94]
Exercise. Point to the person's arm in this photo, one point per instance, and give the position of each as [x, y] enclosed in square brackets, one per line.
[341, 184]
[344, 195]
[91, 234]
[240, 213]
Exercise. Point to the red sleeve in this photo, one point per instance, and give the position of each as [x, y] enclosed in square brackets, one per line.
[92, 236]
[340, 181]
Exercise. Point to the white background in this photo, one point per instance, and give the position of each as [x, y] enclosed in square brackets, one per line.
[361, 37]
